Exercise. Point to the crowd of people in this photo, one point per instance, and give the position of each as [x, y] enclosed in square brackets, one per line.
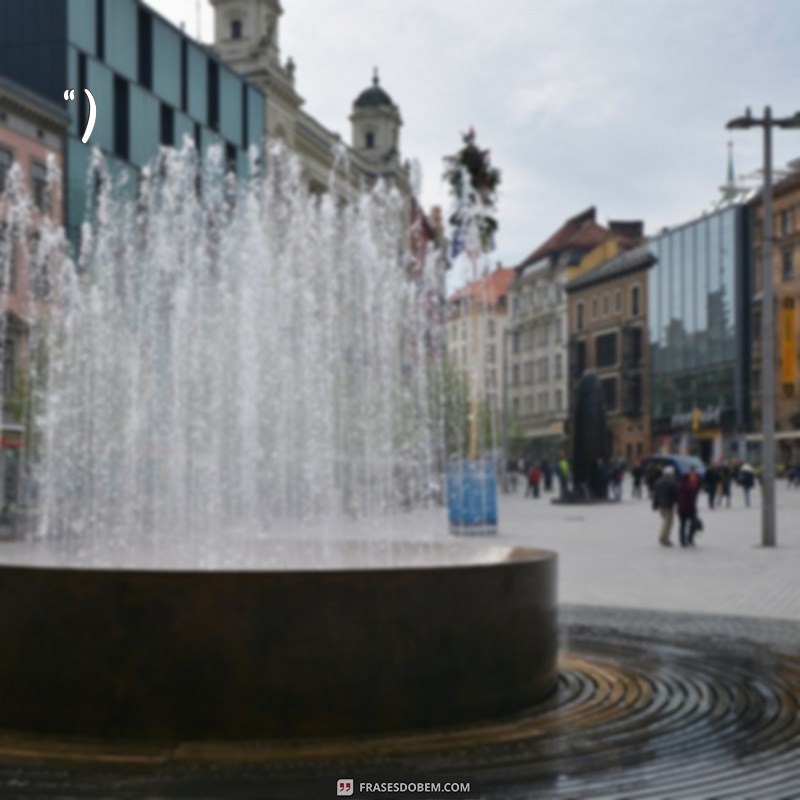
[672, 495]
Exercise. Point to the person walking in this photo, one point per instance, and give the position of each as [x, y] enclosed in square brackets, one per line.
[686, 496]
[711, 481]
[664, 496]
[563, 476]
[638, 476]
[547, 474]
[617, 473]
[748, 479]
[725, 479]
[535, 478]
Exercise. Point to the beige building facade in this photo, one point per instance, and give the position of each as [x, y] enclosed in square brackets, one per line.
[247, 36]
[475, 330]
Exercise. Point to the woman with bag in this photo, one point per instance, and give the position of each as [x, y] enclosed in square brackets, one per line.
[687, 510]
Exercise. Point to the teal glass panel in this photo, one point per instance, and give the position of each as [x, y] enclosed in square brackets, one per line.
[713, 297]
[183, 127]
[100, 82]
[242, 164]
[197, 74]
[121, 28]
[166, 63]
[73, 109]
[701, 290]
[208, 139]
[230, 106]
[255, 118]
[728, 282]
[145, 126]
[690, 297]
[81, 25]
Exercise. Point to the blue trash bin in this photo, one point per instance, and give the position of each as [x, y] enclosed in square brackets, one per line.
[472, 497]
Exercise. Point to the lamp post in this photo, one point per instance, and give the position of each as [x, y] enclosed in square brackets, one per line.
[767, 122]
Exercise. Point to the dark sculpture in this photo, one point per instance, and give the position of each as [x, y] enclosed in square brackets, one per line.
[589, 441]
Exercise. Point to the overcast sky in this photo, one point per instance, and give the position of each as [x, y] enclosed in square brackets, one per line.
[619, 104]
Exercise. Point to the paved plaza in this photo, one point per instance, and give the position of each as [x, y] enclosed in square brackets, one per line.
[609, 555]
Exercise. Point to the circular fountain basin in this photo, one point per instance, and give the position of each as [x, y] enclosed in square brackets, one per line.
[369, 637]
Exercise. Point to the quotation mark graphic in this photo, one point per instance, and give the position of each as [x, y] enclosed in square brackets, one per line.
[69, 94]
[344, 787]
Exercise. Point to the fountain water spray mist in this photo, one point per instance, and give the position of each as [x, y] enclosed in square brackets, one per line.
[233, 357]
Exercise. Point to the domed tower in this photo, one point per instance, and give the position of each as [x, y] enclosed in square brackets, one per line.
[376, 126]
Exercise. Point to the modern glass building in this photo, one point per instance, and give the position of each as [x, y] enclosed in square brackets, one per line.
[153, 85]
[699, 327]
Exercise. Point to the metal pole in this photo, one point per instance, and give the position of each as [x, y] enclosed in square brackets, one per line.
[767, 351]
[506, 332]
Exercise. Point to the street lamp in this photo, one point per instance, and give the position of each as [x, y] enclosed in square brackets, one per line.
[767, 122]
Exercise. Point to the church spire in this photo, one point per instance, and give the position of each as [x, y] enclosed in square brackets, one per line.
[730, 190]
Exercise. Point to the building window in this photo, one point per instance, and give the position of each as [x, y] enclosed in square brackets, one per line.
[557, 337]
[515, 375]
[606, 305]
[527, 375]
[594, 308]
[39, 185]
[369, 140]
[515, 342]
[632, 346]
[515, 406]
[6, 160]
[490, 327]
[121, 118]
[236, 29]
[9, 366]
[579, 317]
[788, 266]
[618, 301]
[559, 400]
[558, 367]
[635, 301]
[8, 265]
[609, 389]
[786, 222]
[544, 402]
[145, 49]
[491, 354]
[605, 350]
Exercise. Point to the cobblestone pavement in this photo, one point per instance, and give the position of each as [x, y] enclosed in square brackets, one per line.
[609, 555]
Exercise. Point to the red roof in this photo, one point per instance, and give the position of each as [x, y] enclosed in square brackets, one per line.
[581, 231]
[489, 289]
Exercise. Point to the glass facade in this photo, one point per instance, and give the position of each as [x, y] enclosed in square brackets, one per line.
[151, 83]
[698, 298]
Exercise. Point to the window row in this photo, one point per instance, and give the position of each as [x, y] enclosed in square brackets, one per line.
[37, 179]
[605, 303]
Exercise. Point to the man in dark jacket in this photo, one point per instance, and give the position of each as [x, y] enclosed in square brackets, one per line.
[665, 493]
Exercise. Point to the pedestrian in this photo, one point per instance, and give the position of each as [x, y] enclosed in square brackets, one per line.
[686, 496]
[547, 474]
[563, 476]
[535, 478]
[664, 496]
[725, 480]
[617, 473]
[638, 476]
[711, 481]
[651, 478]
[600, 479]
[747, 478]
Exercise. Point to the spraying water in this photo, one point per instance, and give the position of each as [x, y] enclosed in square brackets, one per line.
[235, 356]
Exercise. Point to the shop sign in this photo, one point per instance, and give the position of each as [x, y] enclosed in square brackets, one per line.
[698, 419]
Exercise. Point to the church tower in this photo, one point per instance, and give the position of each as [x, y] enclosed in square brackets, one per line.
[247, 36]
[376, 124]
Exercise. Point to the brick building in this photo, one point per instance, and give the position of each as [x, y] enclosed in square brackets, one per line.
[32, 133]
[607, 313]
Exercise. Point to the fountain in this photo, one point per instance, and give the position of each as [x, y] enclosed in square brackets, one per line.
[236, 400]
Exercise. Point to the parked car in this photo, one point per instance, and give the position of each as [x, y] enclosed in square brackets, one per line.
[681, 464]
